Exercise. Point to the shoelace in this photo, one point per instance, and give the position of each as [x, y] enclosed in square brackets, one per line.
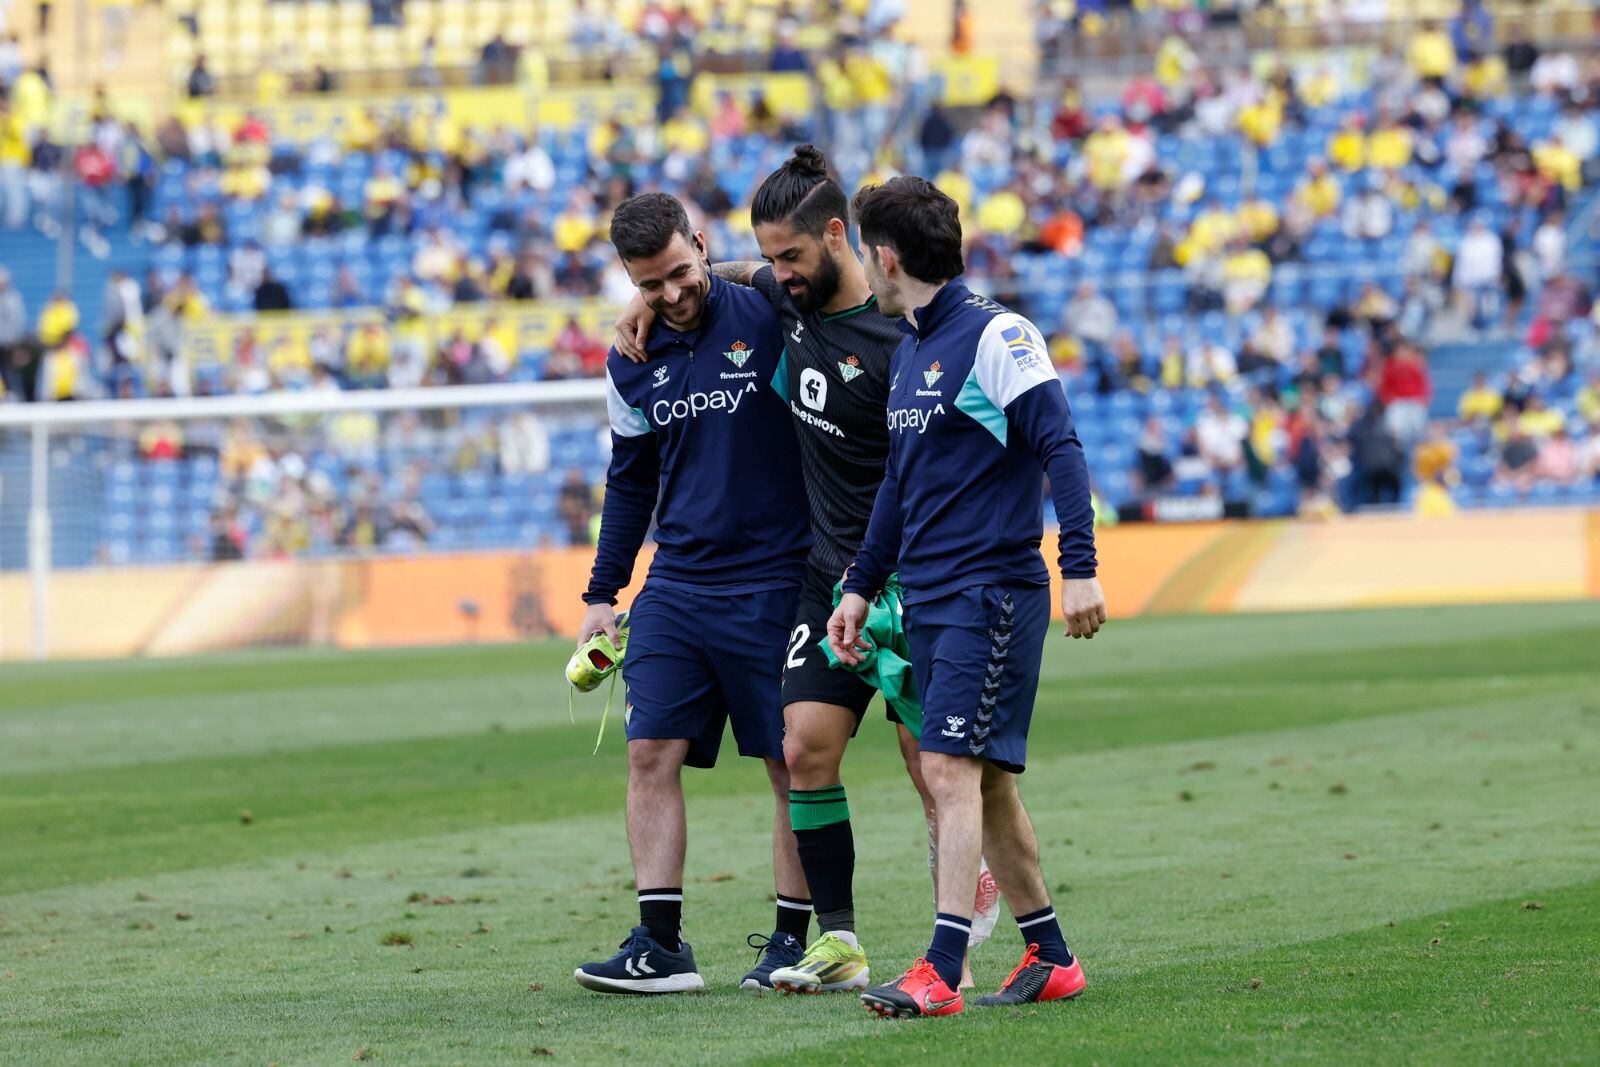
[922, 969]
[605, 712]
[827, 947]
[760, 942]
[629, 944]
[1029, 957]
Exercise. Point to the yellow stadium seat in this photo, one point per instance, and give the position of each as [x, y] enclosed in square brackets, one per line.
[214, 14]
[760, 25]
[246, 11]
[353, 43]
[285, 21]
[451, 16]
[180, 54]
[355, 17]
[452, 40]
[247, 57]
[455, 53]
[318, 17]
[483, 12]
[384, 48]
[414, 33]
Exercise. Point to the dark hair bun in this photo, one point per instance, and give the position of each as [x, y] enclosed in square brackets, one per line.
[809, 160]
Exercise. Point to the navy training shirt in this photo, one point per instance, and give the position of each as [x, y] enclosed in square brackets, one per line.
[701, 437]
[977, 418]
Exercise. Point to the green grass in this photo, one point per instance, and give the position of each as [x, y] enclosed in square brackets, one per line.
[1273, 838]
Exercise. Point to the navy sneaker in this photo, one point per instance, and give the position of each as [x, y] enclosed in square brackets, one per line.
[779, 950]
[642, 966]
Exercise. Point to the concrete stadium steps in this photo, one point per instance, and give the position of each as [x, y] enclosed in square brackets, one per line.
[77, 51]
[31, 257]
[1000, 28]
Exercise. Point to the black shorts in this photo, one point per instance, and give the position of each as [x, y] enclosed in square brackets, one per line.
[806, 674]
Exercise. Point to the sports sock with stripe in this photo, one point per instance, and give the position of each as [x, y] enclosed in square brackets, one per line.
[949, 947]
[821, 820]
[661, 910]
[1042, 928]
[794, 917]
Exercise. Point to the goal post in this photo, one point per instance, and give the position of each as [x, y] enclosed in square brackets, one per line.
[100, 499]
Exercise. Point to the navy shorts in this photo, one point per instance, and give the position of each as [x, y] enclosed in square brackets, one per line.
[683, 682]
[976, 657]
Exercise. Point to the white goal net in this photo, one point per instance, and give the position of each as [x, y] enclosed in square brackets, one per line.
[212, 510]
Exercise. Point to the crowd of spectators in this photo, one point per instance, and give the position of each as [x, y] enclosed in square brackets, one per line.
[1242, 272]
[266, 489]
[1433, 185]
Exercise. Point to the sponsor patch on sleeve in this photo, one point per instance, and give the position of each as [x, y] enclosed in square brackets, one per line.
[1023, 349]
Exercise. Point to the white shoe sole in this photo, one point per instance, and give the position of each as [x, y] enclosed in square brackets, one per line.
[859, 981]
[675, 983]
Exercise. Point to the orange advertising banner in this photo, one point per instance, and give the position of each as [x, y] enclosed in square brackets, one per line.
[1203, 568]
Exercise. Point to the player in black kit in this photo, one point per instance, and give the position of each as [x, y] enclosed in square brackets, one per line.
[836, 366]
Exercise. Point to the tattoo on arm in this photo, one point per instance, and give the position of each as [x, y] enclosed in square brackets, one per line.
[737, 273]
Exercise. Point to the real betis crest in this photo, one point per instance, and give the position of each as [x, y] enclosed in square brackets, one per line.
[932, 374]
[851, 369]
[739, 354]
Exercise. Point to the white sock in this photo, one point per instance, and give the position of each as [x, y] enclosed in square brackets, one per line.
[847, 936]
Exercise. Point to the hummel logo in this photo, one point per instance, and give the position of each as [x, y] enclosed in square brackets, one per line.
[953, 725]
[644, 967]
[661, 376]
[795, 337]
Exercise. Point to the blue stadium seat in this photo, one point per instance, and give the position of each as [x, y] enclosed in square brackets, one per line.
[1114, 457]
[1126, 403]
[499, 535]
[1169, 296]
[1114, 485]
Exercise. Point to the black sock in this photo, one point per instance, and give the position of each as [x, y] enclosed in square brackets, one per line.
[794, 917]
[661, 910]
[821, 819]
[951, 935]
[1043, 929]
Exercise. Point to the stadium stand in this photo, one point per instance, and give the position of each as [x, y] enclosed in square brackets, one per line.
[1268, 288]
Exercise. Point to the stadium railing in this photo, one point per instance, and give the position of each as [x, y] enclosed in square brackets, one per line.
[78, 481]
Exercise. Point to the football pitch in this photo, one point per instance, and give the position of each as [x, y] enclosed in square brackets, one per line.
[1352, 838]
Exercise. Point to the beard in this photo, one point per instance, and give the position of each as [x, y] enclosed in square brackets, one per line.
[690, 306]
[818, 290]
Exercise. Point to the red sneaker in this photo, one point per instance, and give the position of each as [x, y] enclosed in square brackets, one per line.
[920, 991]
[1035, 981]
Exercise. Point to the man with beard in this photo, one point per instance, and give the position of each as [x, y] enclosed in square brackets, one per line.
[698, 439]
[835, 377]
